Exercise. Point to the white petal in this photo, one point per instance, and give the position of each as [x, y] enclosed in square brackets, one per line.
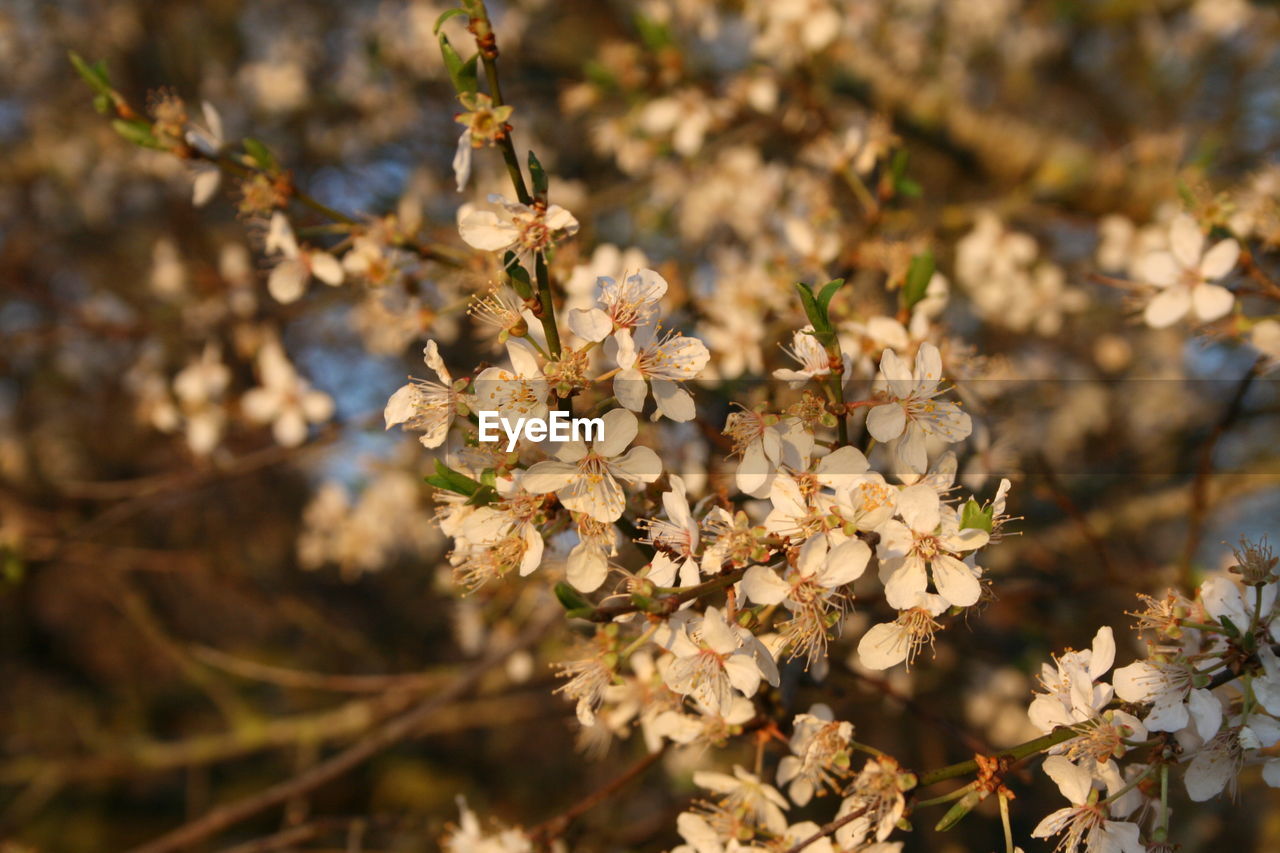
[287, 281]
[1073, 781]
[846, 563]
[549, 476]
[1212, 301]
[1186, 240]
[590, 324]
[955, 582]
[620, 428]
[1206, 711]
[920, 507]
[1168, 307]
[763, 586]
[325, 267]
[637, 465]
[462, 160]
[673, 401]
[886, 422]
[883, 646]
[1103, 652]
[204, 186]
[484, 229]
[1219, 260]
[631, 389]
[586, 568]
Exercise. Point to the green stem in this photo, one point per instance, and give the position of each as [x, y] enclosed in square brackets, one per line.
[1022, 750]
[548, 317]
[1004, 819]
[947, 797]
[505, 145]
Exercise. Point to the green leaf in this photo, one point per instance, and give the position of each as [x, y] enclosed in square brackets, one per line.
[824, 296]
[898, 165]
[260, 154]
[654, 35]
[816, 315]
[569, 597]
[959, 811]
[451, 481]
[444, 16]
[919, 275]
[95, 75]
[461, 72]
[138, 132]
[975, 516]
[908, 188]
[538, 175]
[518, 276]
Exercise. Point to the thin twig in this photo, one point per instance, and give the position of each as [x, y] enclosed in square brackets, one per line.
[1199, 486]
[392, 732]
[828, 829]
[551, 829]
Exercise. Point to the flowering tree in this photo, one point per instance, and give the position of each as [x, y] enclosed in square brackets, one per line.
[873, 442]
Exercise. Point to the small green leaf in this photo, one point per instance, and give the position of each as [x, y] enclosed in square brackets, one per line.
[919, 274]
[451, 481]
[1231, 629]
[569, 597]
[137, 131]
[908, 188]
[518, 276]
[817, 316]
[260, 154]
[95, 75]
[444, 16]
[824, 296]
[898, 166]
[959, 811]
[654, 35]
[974, 516]
[461, 72]
[538, 175]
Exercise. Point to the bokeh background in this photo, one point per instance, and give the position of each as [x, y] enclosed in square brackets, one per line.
[184, 621]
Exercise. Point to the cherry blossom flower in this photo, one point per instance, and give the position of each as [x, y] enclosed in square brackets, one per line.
[425, 406]
[810, 590]
[1170, 689]
[1085, 824]
[288, 281]
[586, 478]
[888, 644]
[764, 442]
[1073, 693]
[520, 392]
[714, 658]
[926, 543]
[1185, 274]
[209, 141]
[813, 358]
[659, 361]
[910, 413]
[484, 124]
[620, 305]
[516, 227]
[285, 400]
[820, 754]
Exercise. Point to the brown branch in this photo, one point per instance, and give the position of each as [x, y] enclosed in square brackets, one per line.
[828, 829]
[307, 680]
[353, 756]
[551, 829]
[1199, 486]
